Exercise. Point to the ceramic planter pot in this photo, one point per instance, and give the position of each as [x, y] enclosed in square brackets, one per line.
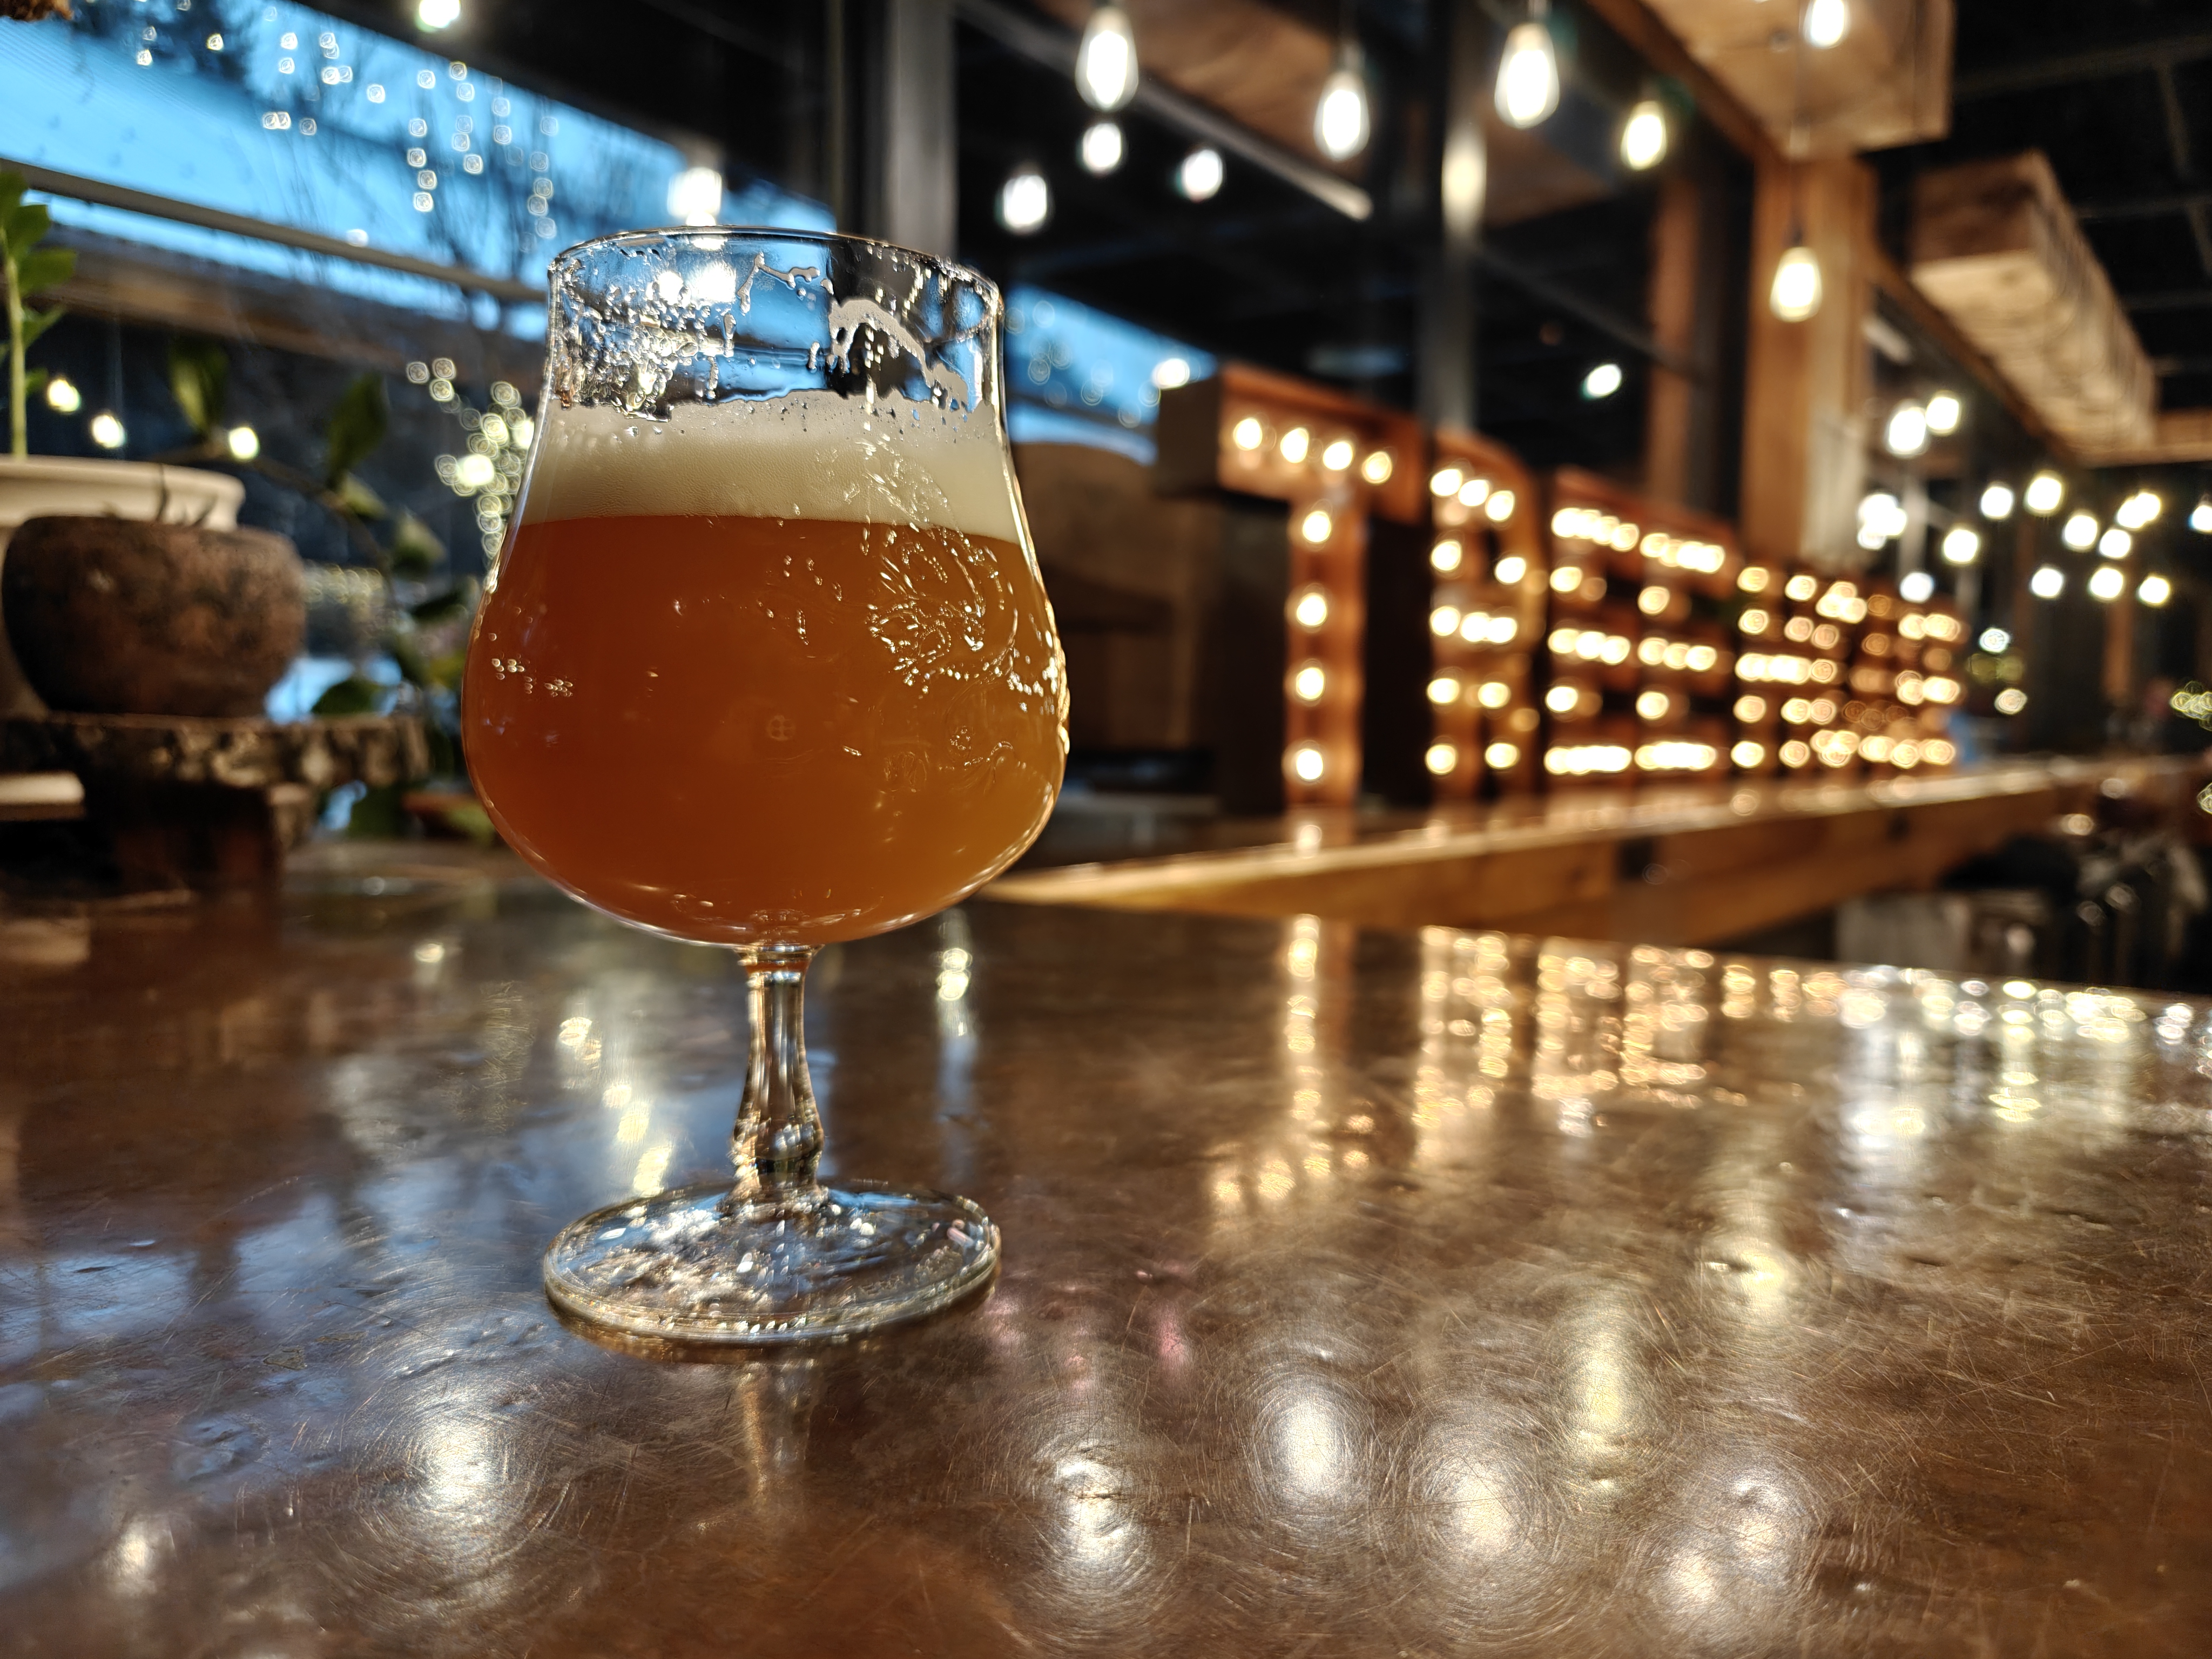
[117, 616]
[43, 486]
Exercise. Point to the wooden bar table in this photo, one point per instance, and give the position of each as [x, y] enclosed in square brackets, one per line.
[1387, 1294]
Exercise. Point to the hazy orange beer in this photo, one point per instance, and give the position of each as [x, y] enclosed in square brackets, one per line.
[768, 662]
[737, 727]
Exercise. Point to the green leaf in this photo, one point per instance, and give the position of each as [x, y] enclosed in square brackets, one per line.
[358, 499]
[25, 223]
[353, 696]
[415, 551]
[357, 427]
[36, 323]
[440, 607]
[379, 813]
[35, 381]
[199, 380]
[43, 268]
[12, 187]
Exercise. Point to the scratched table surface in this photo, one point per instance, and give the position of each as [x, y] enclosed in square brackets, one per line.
[1381, 1294]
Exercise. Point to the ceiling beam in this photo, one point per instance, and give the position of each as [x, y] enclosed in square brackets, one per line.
[2078, 66]
[1055, 48]
[2178, 298]
[2145, 207]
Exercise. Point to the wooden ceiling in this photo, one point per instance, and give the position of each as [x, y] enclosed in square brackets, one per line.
[1264, 68]
[1889, 82]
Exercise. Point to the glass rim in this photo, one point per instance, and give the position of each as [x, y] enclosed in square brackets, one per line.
[969, 274]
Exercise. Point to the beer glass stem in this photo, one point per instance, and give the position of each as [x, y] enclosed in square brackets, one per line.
[778, 1139]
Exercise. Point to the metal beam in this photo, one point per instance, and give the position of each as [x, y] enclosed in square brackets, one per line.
[1055, 48]
[2179, 299]
[2144, 207]
[261, 230]
[2078, 66]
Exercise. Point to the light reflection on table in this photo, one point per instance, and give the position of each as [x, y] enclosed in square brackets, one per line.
[1442, 1292]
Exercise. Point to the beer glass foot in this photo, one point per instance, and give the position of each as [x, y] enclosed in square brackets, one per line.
[690, 1265]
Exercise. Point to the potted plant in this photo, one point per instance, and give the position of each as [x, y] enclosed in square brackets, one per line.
[49, 487]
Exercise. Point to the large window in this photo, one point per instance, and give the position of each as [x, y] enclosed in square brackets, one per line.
[283, 114]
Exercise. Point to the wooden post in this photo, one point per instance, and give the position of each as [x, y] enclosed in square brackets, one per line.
[1675, 236]
[1805, 426]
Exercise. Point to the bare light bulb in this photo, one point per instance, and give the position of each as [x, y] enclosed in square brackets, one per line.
[1795, 294]
[1907, 431]
[2155, 590]
[1997, 502]
[2046, 490]
[1527, 76]
[1102, 146]
[1340, 122]
[1024, 200]
[1644, 136]
[1199, 178]
[1826, 22]
[1106, 62]
[1961, 544]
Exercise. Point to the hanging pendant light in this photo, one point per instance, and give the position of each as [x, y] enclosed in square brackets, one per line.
[1528, 73]
[1795, 294]
[1340, 119]
[1106, 62]
[1644, 136]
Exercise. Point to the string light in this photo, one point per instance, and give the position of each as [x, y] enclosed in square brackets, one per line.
[1442, 757]
[1248, 434]
[1446, 481]
[1528, 72]
[2107, 583]
[63, 397]
[2046, 490]
[1444, 691]
[1336, 457]
[1644, 136]
[1377, 467]
[1961, 544]
[1446, 557]
[1500, 755]
[2200, 516]
[1102, 146]
[431, 15]
[2047, 583]
[1603, 381]
[1310, 608]
[1294, 445]
[1199, 177]
[1907, 431]
[1024, 200]
[108, 432]
[2079, 533]
[1106, 61]
[2155, 590]
[2139, 509]
[1306, 761]
[1916, 587]
[1796, 293]
[243, 442]
[1944, 412]
[1511, 569]
[1171, 372]
[1997, 502]
[1310, 682]
[2116, 544]
[1340, 117]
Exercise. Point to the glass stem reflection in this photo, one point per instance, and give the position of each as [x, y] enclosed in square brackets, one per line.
[779, 1133]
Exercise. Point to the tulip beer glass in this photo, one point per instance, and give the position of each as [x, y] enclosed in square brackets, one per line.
[767, 663]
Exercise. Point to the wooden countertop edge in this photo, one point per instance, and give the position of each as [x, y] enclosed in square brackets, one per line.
[1188, 872]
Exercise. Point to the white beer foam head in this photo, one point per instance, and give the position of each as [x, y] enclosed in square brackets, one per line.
[807, 455]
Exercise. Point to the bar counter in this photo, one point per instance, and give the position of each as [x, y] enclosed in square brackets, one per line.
[1682, 864]
[1382, 1294]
